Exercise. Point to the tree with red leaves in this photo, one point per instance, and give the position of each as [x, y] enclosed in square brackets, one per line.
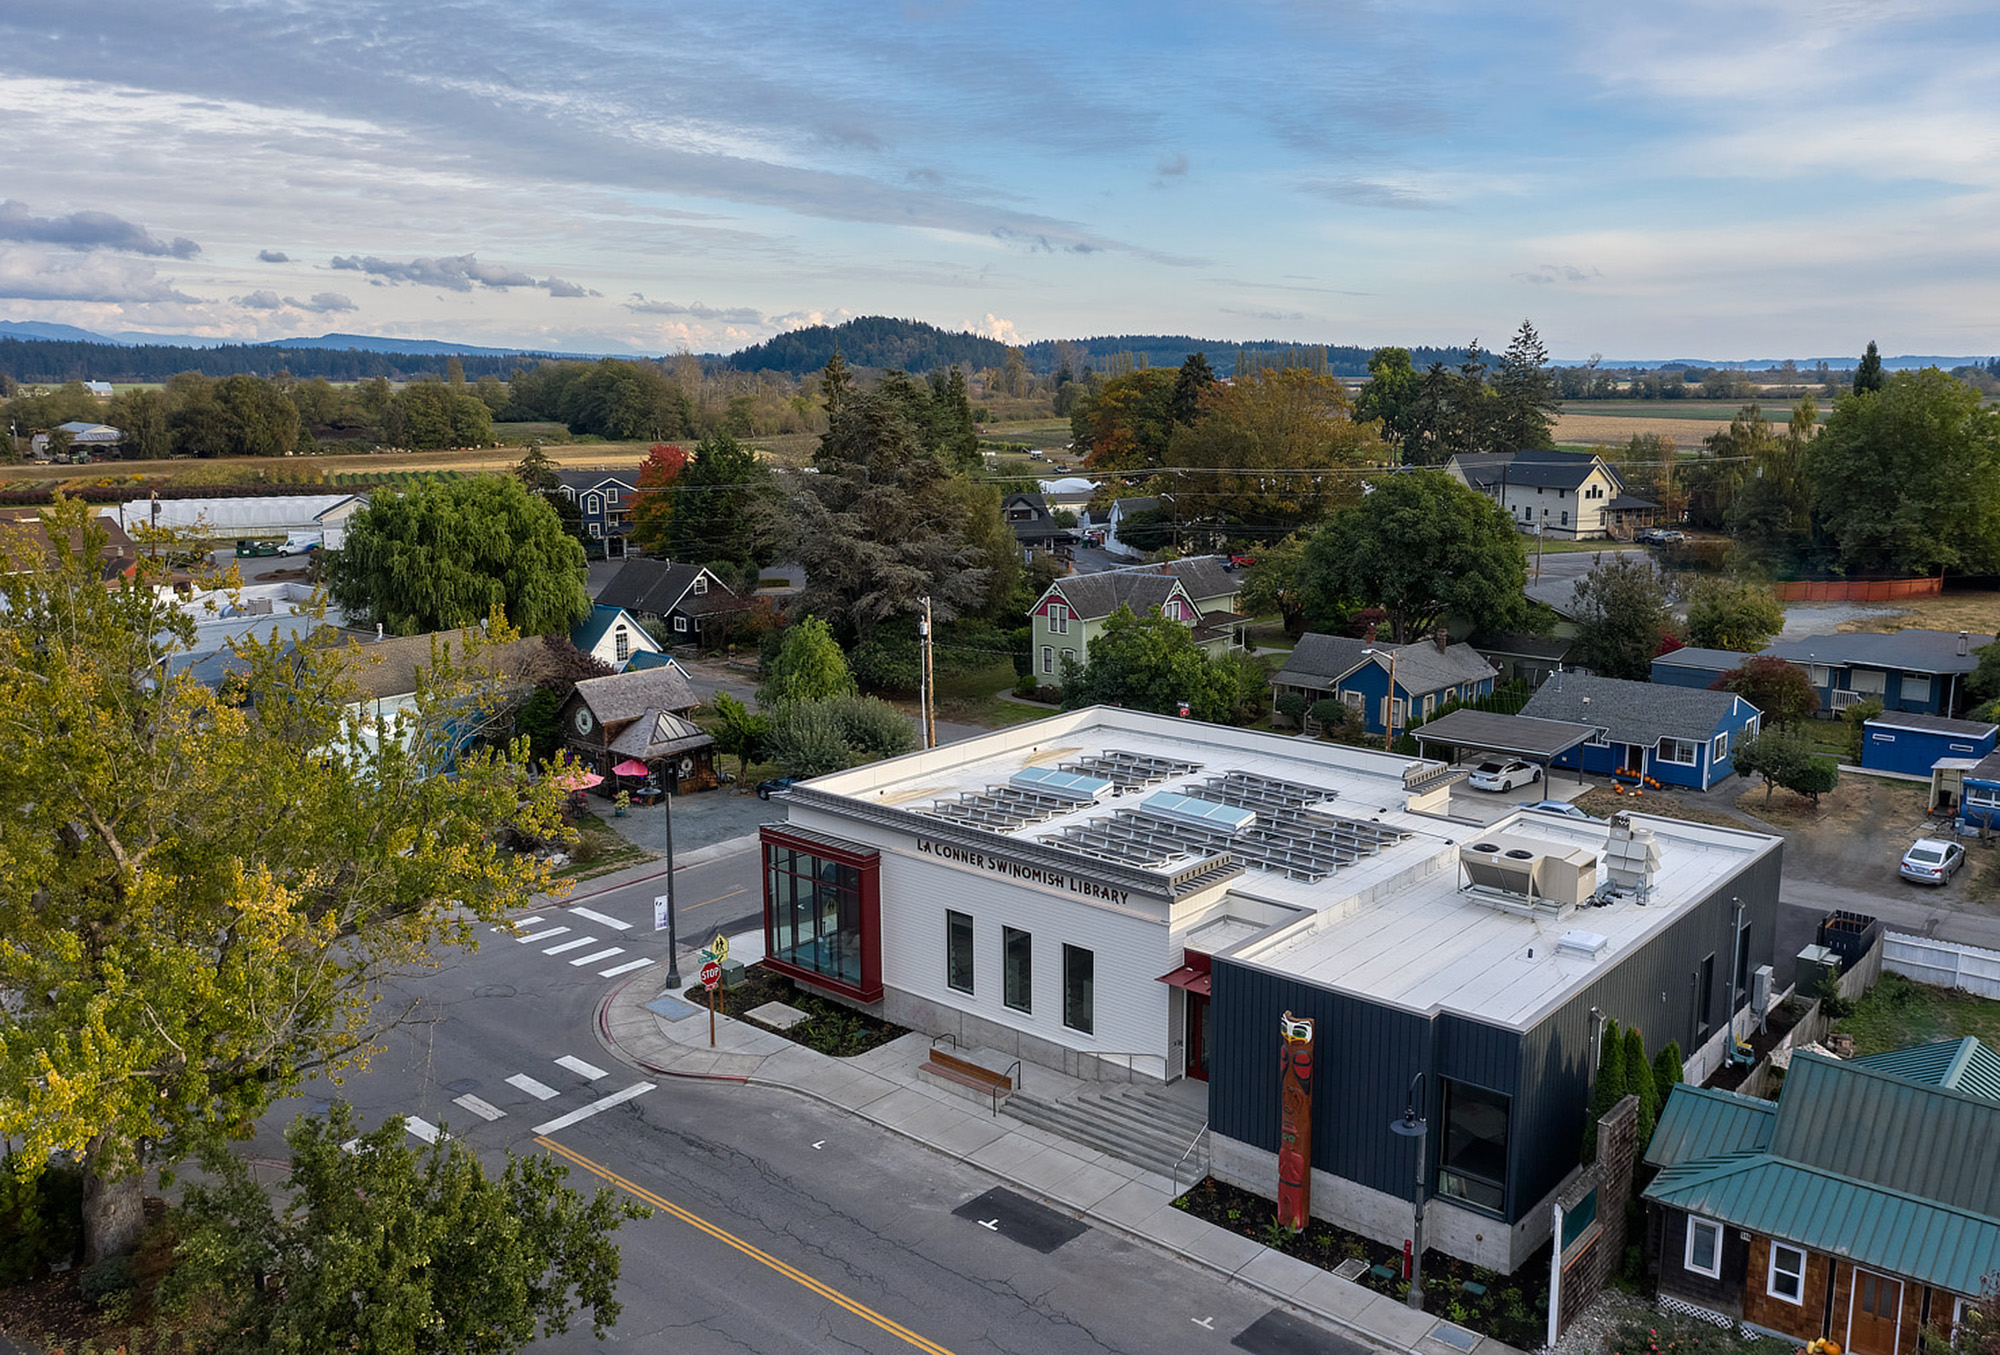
[653, 508]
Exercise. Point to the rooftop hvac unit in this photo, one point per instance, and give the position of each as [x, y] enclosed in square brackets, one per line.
[1531, 869]
[1631, 857]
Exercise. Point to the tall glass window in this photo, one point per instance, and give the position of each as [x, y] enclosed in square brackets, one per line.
[958, 951]
[1472, 1152]
[816, 913]
[1017, 969]
[1079, 988]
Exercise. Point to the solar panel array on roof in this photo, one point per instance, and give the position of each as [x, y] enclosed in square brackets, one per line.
[1001, 809]
[1054, 781]
[1131, 771]
[1304, 846]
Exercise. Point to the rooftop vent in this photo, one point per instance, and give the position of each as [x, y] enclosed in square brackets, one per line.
[1583, 943]
[1200, 813]
[1631, 856]
[1063, 785]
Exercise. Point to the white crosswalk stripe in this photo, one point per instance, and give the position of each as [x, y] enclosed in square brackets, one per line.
[589, 1072]
[625, 968]
[541, 935]
[541, 1091]
[600, 955]
[601, 919]
[507, 928]
[571, 945]
[602, 1103]
[424, 1129]
[485, 1110]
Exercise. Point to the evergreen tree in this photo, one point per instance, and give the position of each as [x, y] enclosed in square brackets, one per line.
[1525, 394]
[836, 383]
[1868, 375]
[1641, 1083]
[1609, 1089]
[1667, 1072]
[1195, 380]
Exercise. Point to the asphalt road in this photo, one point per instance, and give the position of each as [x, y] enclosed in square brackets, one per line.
[780, 1224]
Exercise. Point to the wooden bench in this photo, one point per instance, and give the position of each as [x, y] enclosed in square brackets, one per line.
[967, 1073]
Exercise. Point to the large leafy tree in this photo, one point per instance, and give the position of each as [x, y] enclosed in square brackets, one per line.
[1390, 398]
[204, 890]
[884, 522]
[1272, 584]
[654, 508]
[1126, 422]
[1731, 614]
[1420, 546]
[721, 503]
[1273, 451]
[1785, 755]
[426, 415]
[1151, 663]
[809, 666]
[448, 553]
[1907, 478]
[1622, 617]
[1781, 691]
[378, 1247]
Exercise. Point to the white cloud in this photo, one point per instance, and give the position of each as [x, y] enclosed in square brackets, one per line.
[992, 326]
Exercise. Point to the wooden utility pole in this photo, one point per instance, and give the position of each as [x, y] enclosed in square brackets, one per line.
[926, 688]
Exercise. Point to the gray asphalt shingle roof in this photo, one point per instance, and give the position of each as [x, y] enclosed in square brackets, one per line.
[1636, 712]
[628, 695]
[1918, 651]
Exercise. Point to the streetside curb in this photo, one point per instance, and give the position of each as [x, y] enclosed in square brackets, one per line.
[613, 1045]
[608, 884]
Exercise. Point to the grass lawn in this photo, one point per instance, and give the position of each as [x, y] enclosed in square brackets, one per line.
[600, 849]
[974, 698]
[1897, 1012]
[1603, 802]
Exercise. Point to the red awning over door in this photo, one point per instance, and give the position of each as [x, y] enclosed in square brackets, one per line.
[1188, 977]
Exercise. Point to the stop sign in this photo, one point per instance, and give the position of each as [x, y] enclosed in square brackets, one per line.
[711, 974]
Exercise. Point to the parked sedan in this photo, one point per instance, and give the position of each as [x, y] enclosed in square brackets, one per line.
[1931, 862]
[1562, 807]
[1497, 775]
[777, 785]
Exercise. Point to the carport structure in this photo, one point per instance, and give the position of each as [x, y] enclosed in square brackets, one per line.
[1522, 736]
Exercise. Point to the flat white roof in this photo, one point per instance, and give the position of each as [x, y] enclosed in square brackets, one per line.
[1395, 925]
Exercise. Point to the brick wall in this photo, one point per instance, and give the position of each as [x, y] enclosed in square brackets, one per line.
[1586, 1266]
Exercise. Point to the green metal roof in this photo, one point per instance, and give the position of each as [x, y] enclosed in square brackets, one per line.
[1881, 1229]
[1699, 1123]
[1961, 1065]
[1887, 1161]
[1867, 1125]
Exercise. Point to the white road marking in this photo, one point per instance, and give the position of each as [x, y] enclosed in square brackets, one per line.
[485, 1110]
[625, 968]
[990, 1225]
[589, 1072]
[424, 1129]
[602, 919]
[602, 1103]
[507, 928]
[821, 1144]
[541, 936]
[541, 1091]
[1207, 1323]
[571, 945]
[600, 955]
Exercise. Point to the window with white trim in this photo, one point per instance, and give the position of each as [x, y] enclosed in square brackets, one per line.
[1872, 681]
[1874, 737]
[1704, 1248]
[1069, 656]
[1048, 659]
[1820, 674]
[1959, 1308]
[1599, 738]
[1058, 619]
[1987, 797]
[1430, 704]
[1352, 700]
[681, 624]
[1679, 752]
[700, 584]
[622, 644]
[597, 529]
[1787, 1279]
[1718, 747]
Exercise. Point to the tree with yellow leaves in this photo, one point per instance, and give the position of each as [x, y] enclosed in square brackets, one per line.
[201, 891]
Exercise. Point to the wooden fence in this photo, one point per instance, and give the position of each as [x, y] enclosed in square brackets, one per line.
[1857, 590]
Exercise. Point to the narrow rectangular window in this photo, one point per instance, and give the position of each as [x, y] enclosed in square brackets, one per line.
[1788, 1273]
[680, 624]
[700, 584]
[1719, 748]
[1048, 659]
[1017, 969]
[1743, 959]
[958, 951]
[1079, 988]
[1058, 619]
[1704, 989]
[624, 645]
[1704, 1248]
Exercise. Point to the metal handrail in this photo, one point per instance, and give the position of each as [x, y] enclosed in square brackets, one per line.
[1013, 1084]
[947, 1035]
[1193, 1144]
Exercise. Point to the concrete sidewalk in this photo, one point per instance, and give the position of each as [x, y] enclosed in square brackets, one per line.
[668, 1036]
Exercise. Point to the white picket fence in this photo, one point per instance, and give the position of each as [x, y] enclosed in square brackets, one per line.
[1945, 964]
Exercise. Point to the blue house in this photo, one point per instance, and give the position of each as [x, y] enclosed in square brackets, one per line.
[1907, 670]
[1428, 675]
[604, 498]
[1699, 668]
[1912, 743]
[1676, 735]
[1979, 806]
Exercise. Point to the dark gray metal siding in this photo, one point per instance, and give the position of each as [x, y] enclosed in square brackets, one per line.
[1366, 1053]
[1555, 1055]
[1363, 1058]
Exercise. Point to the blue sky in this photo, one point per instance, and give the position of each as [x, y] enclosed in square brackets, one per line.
[1728, 180]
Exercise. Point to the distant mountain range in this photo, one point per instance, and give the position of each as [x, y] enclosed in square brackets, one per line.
[912, 345]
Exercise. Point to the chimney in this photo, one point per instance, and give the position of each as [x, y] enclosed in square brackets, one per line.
[1964, 644]
[1441, 638]
[1368, 634]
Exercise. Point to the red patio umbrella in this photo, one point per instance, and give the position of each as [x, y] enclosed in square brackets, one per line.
[631, 766]
[575, 778]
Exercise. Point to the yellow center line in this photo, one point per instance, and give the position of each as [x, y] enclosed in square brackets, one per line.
[740, 889]
[860, 1310]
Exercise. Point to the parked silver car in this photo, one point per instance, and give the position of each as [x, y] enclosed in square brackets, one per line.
[1931, 861]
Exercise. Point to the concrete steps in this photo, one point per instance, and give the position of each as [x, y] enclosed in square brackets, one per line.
[1149, 1127]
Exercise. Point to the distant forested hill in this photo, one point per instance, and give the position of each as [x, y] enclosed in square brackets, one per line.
[913, 346]
[59, 360]
[870, 341]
